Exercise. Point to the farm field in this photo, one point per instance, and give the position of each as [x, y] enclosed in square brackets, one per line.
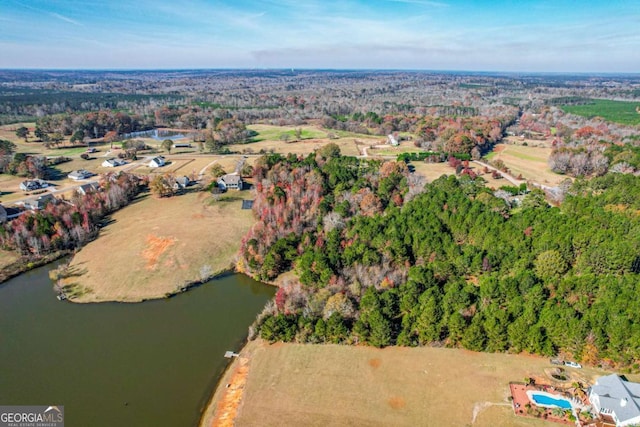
[274, 133]
[153, 246]
[622, 112]
[531, 162]
[318, 385]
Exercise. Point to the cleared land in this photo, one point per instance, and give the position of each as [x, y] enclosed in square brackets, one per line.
[319, 385]
[154, 246]
[530, 162]
[622, 112]
[7, 258]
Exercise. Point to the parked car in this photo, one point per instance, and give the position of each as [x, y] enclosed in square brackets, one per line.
[91, 150]
[573, 365]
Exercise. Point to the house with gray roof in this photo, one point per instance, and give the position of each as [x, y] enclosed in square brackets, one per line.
[3, 214]
[617, 398]
[230, 181]
[157, 162]
[39, 203]
[113, 162]
[181, 183]
[80, 174]
[89, 187]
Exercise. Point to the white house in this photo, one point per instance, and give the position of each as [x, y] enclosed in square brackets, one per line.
[230, 181]
[392, 140]
[80, 174]
[113, 162]
[181, 183]
[156, 162]
[616, 398]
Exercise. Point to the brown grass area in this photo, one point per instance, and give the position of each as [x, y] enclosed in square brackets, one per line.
[529, 161]
[154, 246]
[7, 258]
[318, 385]
[433, 171]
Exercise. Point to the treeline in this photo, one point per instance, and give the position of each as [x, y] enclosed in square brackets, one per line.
[21, 164]
[455, 267]
[91, 125]
[66, 225]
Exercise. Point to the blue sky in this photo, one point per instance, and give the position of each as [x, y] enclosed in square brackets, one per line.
[500, 35]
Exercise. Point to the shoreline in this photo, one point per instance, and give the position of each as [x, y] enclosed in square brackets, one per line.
[234, 376]
[26, 264]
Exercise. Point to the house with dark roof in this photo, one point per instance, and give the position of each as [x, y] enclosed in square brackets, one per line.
[3, 214]
[40, 203]
[617, 398]
[230, 181]
[89, 187]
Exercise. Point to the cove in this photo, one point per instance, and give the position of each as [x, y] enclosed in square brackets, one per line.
[153, 363]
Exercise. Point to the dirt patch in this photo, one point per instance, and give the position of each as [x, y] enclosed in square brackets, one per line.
[375, 363]
[156, 246]
[228, 406]
[396, 402]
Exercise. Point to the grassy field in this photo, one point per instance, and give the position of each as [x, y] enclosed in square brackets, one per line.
[319, 385]
[529, 161]
[154, 246]
[614, 111]
[7, 258]
[274, 133]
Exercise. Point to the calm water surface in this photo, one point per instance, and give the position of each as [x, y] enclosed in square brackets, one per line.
[148, 364]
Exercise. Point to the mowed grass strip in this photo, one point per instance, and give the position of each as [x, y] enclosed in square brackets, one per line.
[622, 112]
[320, 385]
[154, 246]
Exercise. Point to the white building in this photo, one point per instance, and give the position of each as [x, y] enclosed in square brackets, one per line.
[112, 163]
[156, 162]
[617, 398]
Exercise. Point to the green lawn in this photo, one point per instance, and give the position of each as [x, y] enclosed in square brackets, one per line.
[274, 133]
[614, 111]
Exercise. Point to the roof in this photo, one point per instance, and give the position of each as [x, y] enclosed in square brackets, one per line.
[79, 174]
[3, 214]
[613, 390]
[87, 188]
[183, 180]
[231, 178]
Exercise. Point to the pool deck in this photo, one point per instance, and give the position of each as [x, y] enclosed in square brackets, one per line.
[520, 400]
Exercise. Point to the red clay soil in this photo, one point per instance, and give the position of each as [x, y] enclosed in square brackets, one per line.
[520, 399]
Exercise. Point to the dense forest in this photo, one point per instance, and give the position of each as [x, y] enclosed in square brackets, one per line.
[380, 261]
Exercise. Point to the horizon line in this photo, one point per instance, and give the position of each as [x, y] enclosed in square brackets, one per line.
[294, 69]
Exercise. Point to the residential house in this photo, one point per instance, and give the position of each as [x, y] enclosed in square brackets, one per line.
[29, 185]
[181, 183]
[617, 398]
[156, 162]
[392, 140]
[113, 162]
[89, 187]
[80, 175]
[39, 203]
[3, 214]
[230, 181]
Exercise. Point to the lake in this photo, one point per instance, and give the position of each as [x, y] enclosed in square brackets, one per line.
[110, 364]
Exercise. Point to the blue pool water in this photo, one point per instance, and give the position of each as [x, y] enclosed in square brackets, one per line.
[546, 400]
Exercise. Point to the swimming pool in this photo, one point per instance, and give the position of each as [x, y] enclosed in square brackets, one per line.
[549, 401]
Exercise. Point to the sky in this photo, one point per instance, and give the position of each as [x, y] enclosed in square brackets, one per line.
[484, 35]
